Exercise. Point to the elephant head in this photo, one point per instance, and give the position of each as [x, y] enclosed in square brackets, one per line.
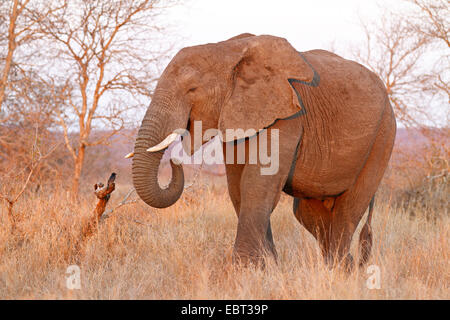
[240, 83]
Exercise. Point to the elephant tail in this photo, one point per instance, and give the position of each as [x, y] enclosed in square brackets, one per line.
[371, 205]
[365, 237]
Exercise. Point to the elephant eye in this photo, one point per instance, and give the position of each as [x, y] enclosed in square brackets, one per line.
[192, 89]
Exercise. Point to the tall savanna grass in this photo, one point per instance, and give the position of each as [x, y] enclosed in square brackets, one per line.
[184, 252]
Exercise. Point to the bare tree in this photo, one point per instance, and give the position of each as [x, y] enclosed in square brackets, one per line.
[25, 105]
[395, 54]
[9, 22]
[17, 29]
[29, 106]
[431, 19]
[105, 55]
[409, 51]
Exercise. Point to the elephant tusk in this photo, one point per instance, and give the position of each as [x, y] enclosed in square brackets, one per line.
[130, 155]
[165, 143]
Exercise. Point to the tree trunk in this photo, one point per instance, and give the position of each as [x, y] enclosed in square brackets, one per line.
[9, 56]
[79, 161]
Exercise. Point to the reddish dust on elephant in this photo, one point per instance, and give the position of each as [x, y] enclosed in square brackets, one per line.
[335, 132]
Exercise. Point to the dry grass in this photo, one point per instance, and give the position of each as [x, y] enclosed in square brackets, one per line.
[184, 252]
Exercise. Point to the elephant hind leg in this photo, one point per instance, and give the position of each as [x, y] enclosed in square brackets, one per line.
[316, 218]
[350, 207]
[365, 237]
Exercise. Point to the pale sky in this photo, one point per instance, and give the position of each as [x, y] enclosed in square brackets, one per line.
[333, 25]
[307, 25]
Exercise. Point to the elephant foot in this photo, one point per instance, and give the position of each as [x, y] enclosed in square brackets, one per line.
[245, 260]
[365, 244]
[347, 263]
[257, 258]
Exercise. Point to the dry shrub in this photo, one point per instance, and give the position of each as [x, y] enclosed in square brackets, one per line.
[430, 197]
[428, 185]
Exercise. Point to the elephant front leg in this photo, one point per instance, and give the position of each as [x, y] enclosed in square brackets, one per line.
[260, 192]
[254, 238]
[248, 246]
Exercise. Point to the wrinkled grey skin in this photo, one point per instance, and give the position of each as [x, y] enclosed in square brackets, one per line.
[332, 155]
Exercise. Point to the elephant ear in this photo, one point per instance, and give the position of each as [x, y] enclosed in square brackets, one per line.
[261, 91]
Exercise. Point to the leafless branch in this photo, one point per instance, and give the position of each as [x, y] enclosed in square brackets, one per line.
[11, 200]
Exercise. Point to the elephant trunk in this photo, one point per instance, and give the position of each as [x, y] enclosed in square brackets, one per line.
[157, 124]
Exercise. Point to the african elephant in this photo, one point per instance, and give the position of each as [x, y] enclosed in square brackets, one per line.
[335, 125]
